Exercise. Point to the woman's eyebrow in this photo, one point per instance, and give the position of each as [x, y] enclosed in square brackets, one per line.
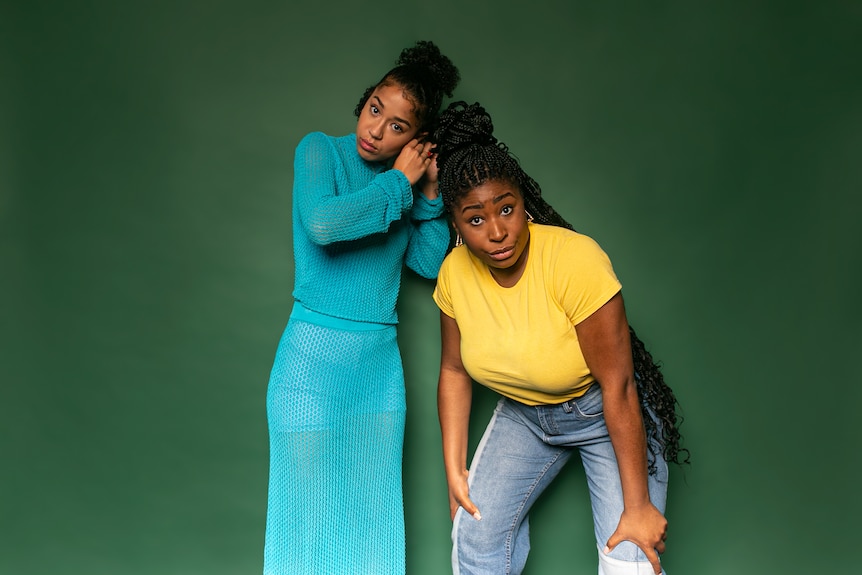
[471, 207]
[397, 119]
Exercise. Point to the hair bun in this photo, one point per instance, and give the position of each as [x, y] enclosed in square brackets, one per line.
[463, 125]
[426, 55]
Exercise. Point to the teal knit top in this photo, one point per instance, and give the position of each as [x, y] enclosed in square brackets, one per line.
[355, 224]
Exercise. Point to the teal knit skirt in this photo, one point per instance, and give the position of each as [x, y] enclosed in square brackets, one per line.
[336, 410]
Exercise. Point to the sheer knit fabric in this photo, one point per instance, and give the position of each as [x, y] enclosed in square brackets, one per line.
[335, 401]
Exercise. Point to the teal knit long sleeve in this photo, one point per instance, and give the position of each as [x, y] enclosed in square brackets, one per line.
[355, 224]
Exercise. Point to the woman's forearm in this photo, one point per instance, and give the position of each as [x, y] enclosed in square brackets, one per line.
[454, 400]
[625, 427]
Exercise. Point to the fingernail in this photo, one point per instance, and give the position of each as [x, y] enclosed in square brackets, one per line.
[477, 516]
[606, 550]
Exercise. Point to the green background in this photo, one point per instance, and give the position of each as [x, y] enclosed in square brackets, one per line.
[712, 148]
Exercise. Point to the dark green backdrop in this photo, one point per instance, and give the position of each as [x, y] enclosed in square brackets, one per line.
[146, 153]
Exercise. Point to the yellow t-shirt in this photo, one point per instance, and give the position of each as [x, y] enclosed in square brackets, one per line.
[521, 341]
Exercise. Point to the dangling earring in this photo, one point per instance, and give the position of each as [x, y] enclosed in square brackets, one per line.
[529, 216]
[458, 241]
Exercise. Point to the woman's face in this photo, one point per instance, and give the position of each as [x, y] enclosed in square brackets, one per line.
[493, 225]
[385, 125]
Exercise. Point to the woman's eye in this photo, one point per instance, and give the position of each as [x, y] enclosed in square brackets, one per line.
[374, 109]
[506, 210]
[397, 128]
[475, 221]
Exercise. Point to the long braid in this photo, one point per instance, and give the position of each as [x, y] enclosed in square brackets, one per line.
[470, 155]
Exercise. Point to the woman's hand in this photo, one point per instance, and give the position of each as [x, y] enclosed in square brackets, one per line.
[646, 527]
[413, 160]
[459, 496]
[428, 183]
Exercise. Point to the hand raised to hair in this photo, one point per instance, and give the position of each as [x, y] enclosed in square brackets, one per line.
[413, 160]
[646, 527]
[428, 182]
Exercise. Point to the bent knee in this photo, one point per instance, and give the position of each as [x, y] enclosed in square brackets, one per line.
[612, 566]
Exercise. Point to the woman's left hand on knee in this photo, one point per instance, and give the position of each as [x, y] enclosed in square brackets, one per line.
[646, 527]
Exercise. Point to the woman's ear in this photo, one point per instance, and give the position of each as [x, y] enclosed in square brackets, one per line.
[459, 241]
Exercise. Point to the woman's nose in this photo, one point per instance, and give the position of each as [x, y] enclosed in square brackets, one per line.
[375, 130]
[497, 231]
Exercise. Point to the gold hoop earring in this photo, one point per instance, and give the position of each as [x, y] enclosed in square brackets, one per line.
[458, 241]
[529, 216]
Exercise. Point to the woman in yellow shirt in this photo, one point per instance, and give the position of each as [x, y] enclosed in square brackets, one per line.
[533, 310]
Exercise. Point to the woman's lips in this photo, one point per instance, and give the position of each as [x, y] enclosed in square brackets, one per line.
[366, 145]
[502, 254]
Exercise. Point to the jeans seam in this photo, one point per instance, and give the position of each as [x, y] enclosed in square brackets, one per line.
[529, 493]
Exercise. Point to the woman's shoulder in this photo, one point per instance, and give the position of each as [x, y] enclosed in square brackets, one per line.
[456, 256]
[312, 143]
[456, 262]
[556, 241]
[315, 139]
[318, 138]
[556, 235]
[317, 144]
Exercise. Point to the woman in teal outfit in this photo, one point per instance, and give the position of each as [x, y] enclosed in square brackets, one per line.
[364, 205]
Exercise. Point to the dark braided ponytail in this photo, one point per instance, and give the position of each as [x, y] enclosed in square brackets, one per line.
[425, 75]
[469, 155]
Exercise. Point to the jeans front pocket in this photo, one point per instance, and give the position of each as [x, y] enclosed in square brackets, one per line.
[589, 404]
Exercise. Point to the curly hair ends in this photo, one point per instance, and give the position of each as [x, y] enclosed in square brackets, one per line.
[657, 396]
[425, 75]
[468, 156]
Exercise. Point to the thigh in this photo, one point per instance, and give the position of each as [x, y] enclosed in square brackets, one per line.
[512, 466]
[321, 374]
[603, 480]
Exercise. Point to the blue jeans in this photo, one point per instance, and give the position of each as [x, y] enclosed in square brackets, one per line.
[522, 451]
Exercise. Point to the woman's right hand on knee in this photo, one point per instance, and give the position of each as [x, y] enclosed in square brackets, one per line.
[459, 496]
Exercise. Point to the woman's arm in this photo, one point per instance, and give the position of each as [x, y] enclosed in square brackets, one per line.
[328, 217]
[454, 400]
[429, 237]
[604, 340]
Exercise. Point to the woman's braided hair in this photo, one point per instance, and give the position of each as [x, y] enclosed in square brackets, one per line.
[468, 156]
[425, 75]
